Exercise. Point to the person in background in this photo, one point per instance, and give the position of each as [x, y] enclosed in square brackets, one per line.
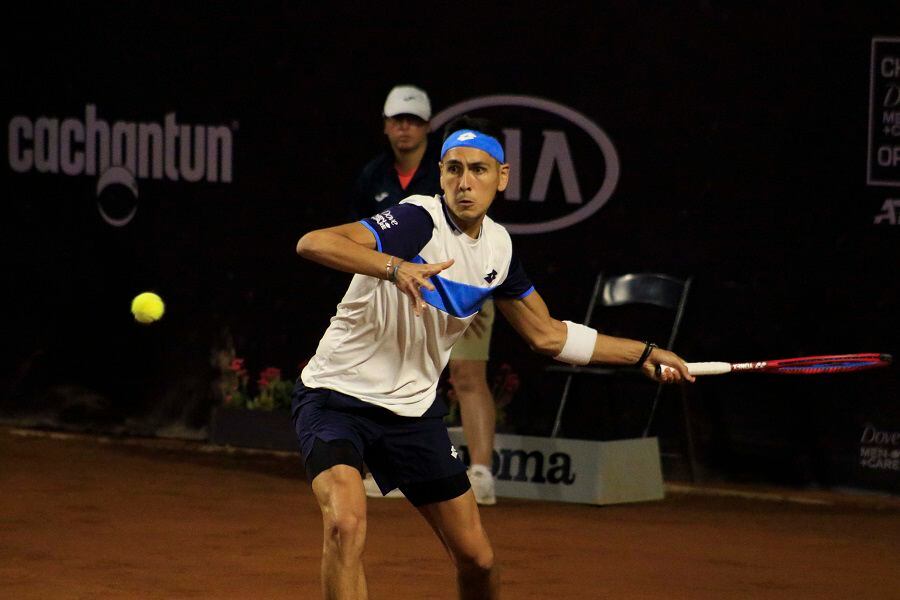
[410, 167]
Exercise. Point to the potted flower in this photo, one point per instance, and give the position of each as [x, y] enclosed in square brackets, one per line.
[260, 420]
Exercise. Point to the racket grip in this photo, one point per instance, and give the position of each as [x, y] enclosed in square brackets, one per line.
[705, 368]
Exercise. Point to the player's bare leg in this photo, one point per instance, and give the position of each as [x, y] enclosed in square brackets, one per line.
[458, 525]
[476, 406]
[342, 499]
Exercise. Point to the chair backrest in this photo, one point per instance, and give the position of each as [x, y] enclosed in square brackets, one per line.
[655, 289]
[662, 291]
[645, 288]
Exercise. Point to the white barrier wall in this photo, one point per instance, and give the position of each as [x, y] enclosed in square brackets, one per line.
[578, 471]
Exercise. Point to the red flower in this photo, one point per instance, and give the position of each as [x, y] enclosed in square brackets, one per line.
[267, 376]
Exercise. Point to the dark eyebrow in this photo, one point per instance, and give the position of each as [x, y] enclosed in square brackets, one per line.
[477, 163]
[456, 161]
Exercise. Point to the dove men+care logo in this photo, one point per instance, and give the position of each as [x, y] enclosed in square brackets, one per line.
[563, 166]
[879, 449]
[120, 153]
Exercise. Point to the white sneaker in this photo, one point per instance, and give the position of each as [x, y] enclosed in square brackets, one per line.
[372, 490]
[482, 484]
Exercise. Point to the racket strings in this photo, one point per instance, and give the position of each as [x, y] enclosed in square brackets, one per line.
[832, 367]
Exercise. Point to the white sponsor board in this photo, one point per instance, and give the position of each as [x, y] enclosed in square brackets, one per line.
[884, 113]
[580, 471]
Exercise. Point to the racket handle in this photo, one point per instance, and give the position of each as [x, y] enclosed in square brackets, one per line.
[705, 368]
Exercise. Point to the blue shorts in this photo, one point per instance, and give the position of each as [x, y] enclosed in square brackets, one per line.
[411, 453]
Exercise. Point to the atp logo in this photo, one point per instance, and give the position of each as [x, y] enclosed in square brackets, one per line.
[890, 212]
[563, 166]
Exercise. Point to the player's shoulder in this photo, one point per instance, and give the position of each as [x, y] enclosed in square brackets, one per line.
[496, 232]
[430, 204]
[426, 202]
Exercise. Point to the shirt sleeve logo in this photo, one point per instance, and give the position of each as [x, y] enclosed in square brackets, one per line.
[490, 277]
[385, 220]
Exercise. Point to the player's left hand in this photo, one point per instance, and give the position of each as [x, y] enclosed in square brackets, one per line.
[652, 367]
[411, 277]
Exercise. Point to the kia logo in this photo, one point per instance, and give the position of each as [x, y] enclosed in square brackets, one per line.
[543, 150]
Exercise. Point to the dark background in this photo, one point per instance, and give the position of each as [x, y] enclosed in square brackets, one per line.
[742, 137]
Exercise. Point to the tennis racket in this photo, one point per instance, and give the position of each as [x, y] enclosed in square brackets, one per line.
[805, 365]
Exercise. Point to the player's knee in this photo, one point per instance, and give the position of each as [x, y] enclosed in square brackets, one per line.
[467, 376]
[477, 560]
[346, 530]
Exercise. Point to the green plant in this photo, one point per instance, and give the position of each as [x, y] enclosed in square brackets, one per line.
[274, 392]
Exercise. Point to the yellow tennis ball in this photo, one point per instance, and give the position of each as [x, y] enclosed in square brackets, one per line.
[147, 307]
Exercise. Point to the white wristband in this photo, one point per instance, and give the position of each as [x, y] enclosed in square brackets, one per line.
[579, 346]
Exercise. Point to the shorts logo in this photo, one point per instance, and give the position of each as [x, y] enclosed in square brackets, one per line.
[385, 220]
[490, 277]
[453, 451]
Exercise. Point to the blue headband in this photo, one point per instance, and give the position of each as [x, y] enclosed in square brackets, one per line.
[473, 139]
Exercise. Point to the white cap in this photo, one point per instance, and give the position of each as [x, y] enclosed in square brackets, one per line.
[407, 100]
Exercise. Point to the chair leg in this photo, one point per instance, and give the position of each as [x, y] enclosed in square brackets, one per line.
[653, 410]
[562, 406]
[688, 431]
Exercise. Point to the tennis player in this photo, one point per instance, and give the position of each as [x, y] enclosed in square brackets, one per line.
[408, 167]
[422, 269]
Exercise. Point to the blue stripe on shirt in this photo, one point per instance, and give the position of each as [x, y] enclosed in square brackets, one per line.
[375, 233]
[525, 293]
[458, 299]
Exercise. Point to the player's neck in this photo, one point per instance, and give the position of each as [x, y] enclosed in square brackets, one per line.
[409, 160]
[470, 228]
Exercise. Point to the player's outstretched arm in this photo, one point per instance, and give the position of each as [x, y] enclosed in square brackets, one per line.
[572, 343]
[351, 248]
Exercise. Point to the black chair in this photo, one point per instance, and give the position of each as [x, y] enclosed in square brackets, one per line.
[663, 291]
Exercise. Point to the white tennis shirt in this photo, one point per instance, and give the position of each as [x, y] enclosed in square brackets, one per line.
[376, 348]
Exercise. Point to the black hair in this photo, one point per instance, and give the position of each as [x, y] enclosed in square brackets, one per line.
[475, 123]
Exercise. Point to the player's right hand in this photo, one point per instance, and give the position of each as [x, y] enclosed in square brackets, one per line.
[653, 367]
[411, 277]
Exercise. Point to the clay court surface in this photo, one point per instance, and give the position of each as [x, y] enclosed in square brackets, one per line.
[90, 517]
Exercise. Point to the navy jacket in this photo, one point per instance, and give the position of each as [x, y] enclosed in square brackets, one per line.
[378, 188]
